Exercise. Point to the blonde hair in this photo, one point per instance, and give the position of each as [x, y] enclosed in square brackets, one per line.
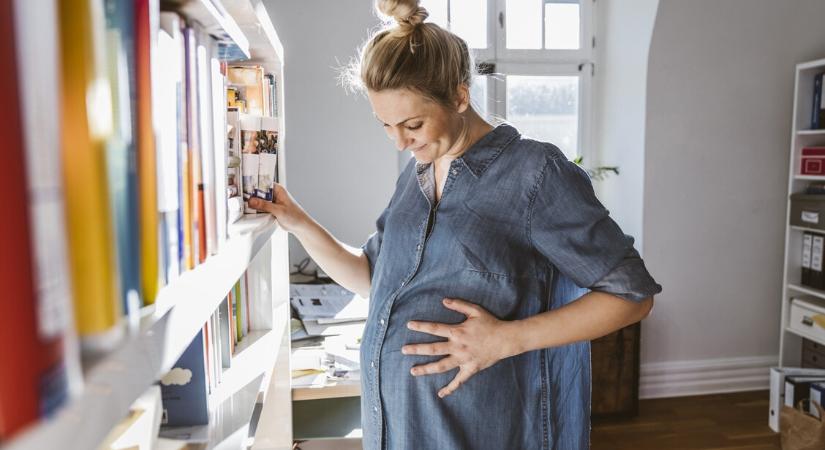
[414, 55]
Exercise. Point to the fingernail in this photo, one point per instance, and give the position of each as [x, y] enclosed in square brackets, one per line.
[447, 301]
[413, 372]
[404, 350]
[410, 325]
[440, 395]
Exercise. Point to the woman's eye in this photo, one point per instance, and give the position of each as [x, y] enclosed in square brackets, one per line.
[414, 127]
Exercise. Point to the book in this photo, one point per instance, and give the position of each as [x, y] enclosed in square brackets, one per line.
[121, 152]
[184, 388]
[219, 125]
[816, 395]
[225, 336]
[816, 102]
[167, 103]
[147, 162]
[797, 388]
[87, 118]
[204, 61]
[40, 366]
[193, 145]
[807, 239]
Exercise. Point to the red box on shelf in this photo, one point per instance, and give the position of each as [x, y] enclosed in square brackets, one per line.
[813, 161]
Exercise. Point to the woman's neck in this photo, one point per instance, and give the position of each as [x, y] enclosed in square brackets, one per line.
[473, 129]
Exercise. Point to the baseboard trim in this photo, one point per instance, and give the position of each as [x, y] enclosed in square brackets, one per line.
[708, 376]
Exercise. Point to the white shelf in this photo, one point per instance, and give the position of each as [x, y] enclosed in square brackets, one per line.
[228, 423]
[820, 132]
[807, 290]
[809, 337]
[811, 64]
[265, 47]
[120, 377]
[809, 177]
[222, 26]
[811, 230]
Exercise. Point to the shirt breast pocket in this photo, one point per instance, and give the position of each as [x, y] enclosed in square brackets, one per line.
[491, 239]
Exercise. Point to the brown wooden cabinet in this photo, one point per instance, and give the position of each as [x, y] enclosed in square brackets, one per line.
[615, 371]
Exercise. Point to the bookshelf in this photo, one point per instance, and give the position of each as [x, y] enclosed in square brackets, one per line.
[790, 341]
[251, 407]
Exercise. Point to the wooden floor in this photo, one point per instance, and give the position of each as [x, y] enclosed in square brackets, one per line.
[720, 422]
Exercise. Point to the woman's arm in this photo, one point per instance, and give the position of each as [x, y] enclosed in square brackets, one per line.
[592, 316]
[482, 339]
[346, 265]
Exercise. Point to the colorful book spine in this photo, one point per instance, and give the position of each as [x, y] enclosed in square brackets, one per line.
[87, 119]
[34, 318]
[147, 163]
[121, 151]
[193, 142]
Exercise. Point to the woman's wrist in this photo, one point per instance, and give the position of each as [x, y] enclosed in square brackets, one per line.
[514, 338]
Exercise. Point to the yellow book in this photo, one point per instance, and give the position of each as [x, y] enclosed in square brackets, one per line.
[87, 123]
[147, 159]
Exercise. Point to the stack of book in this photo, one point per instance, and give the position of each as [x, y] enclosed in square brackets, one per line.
[187, 387]
[791, 385]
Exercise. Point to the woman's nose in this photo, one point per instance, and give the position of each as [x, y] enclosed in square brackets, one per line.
[402, 141]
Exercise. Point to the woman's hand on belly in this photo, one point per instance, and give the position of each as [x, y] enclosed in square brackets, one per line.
[471, 346]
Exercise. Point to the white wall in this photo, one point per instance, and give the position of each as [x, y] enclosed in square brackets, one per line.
[719, 97]
[341, 167]
[624, 29]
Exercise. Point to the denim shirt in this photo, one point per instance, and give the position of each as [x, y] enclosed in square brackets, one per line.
[518, 230]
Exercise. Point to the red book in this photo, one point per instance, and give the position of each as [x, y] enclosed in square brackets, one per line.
[812, 161]
[32, 371]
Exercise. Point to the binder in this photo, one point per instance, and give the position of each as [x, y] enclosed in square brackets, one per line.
[807, 240]
[798, 387]
[817, 277]
[777, 392]
[816, 395]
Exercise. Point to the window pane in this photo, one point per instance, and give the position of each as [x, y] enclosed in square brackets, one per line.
[468, 19]
[437, 10]
[561, 25]
[523, 24]
[546, 109]
[478, 95]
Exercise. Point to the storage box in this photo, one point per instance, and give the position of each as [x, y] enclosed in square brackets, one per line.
[807, 318]
[813, 161]
[808, 211]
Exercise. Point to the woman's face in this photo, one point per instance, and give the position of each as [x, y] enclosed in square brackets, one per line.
[416, 123]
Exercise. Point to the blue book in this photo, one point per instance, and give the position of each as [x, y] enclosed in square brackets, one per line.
[184, 389]
[816, 102]
[121, 151]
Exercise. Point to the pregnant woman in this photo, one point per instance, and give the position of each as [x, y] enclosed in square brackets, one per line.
[490, 270]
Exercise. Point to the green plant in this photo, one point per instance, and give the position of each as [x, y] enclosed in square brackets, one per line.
[597, 173]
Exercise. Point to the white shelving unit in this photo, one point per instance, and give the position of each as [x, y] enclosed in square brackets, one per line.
[790, 342]
[255, 392]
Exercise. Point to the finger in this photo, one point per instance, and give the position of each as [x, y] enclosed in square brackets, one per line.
[440, 366]
[435, 348]
[434, 328]
[263, 205]
[464, 307]
[460, 378]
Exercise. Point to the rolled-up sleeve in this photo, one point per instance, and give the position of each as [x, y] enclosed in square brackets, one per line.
[571, 228]
[372, 247]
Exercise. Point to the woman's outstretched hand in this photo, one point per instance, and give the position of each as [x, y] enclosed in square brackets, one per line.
[471, 346]
[284, 208]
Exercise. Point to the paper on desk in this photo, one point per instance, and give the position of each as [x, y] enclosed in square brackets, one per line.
[325, 302]
[315, 328]
[308, 359]
[317, 379]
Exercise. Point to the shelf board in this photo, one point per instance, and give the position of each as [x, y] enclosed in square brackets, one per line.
[228, 423]
[350, 388]
[807, 290]
[810, 230]
[811, 132]
[810, 337]
[811, 64]
[809, 177]
[214, 19]
[265, 47]
[167, 328]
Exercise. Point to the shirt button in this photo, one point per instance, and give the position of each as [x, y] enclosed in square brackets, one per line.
[402, 284]
[382, 321]
[418, 247]
[455, 171]
[375, 408]
[372, 364]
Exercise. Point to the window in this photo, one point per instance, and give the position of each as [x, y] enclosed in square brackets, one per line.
[541, 52]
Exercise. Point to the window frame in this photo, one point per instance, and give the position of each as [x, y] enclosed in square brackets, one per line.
[542, 62]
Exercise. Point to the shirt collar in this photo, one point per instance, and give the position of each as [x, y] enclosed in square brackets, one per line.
[479, 156]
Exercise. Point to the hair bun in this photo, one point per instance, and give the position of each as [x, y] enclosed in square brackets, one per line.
[407, 13]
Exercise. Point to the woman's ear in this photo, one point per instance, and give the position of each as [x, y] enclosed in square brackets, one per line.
[462, 101]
